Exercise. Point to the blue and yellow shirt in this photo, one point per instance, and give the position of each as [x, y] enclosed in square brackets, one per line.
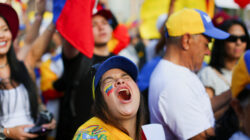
[96, 129]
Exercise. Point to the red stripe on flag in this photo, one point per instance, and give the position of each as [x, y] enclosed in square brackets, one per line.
[122, 35]
[110, 91]
[74, 24]
[242, 3]
[207, 5]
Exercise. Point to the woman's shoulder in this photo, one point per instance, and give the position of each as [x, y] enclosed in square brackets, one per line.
[95, 128]
[206, 73]
[92, 129]
[19, 87]
[207, 76]
[206, 70]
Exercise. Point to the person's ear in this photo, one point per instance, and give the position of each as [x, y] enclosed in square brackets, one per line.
[237, 108]
[185, 41]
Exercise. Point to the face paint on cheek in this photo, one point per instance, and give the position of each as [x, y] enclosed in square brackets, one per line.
[109, 89]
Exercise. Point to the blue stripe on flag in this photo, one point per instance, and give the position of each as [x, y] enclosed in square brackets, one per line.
[247, 60]
[57, 9]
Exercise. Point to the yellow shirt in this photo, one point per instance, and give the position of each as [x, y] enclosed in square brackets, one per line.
[96, 129]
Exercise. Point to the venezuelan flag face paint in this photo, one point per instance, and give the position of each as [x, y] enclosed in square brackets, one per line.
[108, 89]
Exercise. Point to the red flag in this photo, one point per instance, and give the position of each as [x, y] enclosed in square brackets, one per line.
[74, 24]
[242, 3]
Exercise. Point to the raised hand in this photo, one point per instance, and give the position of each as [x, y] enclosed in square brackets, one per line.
[40, 6]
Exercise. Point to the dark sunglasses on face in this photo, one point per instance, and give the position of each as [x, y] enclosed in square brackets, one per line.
[233, 38]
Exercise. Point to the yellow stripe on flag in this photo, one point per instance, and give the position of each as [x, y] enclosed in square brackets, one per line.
[151, 9]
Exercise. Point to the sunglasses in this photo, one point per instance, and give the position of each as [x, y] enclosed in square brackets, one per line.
[233, 38]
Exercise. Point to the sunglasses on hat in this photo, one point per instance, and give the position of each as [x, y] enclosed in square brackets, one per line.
[234, 38]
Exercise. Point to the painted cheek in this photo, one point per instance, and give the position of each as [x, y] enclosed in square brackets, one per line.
[109, 89]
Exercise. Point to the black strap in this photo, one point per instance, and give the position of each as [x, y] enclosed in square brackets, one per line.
[84, 67]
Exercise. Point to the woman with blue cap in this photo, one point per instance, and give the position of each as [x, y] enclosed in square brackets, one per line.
[118, 105]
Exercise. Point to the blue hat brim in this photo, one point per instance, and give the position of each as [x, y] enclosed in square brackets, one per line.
[210, 30]
[216, 33]
[119, 62]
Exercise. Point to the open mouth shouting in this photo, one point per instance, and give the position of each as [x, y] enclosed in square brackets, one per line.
[124, 94]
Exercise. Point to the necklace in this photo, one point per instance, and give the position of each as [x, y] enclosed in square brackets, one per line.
[4, 65]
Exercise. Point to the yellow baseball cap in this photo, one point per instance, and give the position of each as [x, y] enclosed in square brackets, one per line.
[241, 78]
[192, 21]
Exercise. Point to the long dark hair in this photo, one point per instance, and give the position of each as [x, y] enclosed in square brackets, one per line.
[228, 124]
[20, 74]
[218, 52]
[100, 110]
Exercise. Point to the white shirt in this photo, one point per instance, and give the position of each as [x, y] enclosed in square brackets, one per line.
[211, 79]
[16, 107]
[178, 101]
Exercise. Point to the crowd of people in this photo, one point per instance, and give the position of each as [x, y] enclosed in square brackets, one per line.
[112, 95]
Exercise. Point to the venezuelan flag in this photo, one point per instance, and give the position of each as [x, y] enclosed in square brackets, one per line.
[109, 89]
[120, 39]
[50, 70]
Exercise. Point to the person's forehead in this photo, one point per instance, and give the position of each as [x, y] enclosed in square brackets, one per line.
[113, 71]
[236, 29]
[98, 17]
[2, 21]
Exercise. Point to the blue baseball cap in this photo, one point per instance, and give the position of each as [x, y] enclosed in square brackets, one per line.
[193, 21]
[210, 30]
[119, 62]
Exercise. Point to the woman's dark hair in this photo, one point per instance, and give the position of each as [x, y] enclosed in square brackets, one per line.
[100, 110]
[20, 74]
[218, 52]
[228, 124]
